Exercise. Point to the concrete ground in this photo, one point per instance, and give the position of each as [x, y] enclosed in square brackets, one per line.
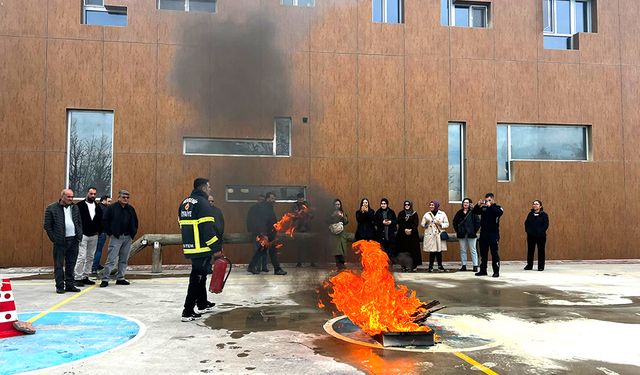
[575, 317]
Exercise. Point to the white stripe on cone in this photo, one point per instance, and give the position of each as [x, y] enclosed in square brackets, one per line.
[6, 296]
[8, 309]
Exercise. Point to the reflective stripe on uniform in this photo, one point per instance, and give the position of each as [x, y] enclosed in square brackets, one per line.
[196, 235]
[197, 250]
[213, 240]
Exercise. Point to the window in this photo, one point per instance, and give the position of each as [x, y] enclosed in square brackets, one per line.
[298, 3]
[249, 193]
[279, 146]
[564, 18]
[388, 11]
[94, 12]
[464, 13]
[456, 162]
[208, 6]
[89, 150]
[541, 143]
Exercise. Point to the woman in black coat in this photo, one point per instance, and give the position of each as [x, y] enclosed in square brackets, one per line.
[386, 224]
[364, 217]
[408, 239]
[466, 224]
[536, 226]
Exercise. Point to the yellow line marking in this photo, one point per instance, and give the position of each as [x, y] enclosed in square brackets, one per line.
[475, 363]
[60, 304]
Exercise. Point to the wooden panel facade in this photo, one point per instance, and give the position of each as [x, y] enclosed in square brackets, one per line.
[378, 98]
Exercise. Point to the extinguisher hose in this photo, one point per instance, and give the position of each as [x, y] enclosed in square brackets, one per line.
[230, 266]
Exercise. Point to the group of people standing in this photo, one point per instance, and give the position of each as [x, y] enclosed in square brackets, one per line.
[399, 235]
[79, 232]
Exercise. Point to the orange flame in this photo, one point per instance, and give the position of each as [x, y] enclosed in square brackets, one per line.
[372, 300]
[290, 220]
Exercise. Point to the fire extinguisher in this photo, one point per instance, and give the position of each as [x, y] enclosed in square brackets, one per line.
[221, 271]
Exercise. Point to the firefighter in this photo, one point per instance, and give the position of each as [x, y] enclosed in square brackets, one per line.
[201, 239]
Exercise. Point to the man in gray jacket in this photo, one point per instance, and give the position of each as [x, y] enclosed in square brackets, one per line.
[64, 228]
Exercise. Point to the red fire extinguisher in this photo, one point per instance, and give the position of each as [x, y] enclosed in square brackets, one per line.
[221, 271]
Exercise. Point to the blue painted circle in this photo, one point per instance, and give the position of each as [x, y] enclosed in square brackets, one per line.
[64, 337]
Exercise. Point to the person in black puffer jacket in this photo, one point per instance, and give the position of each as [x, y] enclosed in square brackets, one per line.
[466, 224]
[536, 226]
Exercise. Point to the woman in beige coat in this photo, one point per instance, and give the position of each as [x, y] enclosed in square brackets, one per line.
[434, 222]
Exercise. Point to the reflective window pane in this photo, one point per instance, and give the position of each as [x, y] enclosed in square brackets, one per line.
[279, 146]
[479, 16]
[548, 143]
[172, 5]
[90, 151]
[455, 159]
[110, 17]
[283, 137]
[250, 193]
[563, 16]
[444, 12]
[377, 10]
[94, 2]
[582, 13]
[306, 3]
[547, 14]
[208, 6]
[393, 11]
[503, 153]
[204, 146]
[557, 42]
[462, 16]
[287, 2]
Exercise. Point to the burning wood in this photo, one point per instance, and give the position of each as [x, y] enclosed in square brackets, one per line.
[289, 222]
[372, 300]
[421, 318]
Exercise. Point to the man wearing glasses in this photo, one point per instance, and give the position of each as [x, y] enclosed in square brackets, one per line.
[120, 223]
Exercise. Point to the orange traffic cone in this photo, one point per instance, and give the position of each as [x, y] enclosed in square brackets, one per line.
[8, 313]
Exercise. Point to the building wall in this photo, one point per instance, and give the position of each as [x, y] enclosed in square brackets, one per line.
[379, 97]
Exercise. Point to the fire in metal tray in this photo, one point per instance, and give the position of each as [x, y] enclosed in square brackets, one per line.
[372, 300]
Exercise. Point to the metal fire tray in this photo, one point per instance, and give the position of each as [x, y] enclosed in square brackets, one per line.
[403, 339]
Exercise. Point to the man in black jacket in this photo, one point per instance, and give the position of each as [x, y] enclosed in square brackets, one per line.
[64, 229]
[490, 214]
[105, 201]
[201, 239]
[91, 217]
[120, 222]
[260, 220]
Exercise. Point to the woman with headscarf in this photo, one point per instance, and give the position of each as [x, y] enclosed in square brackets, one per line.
[434, 222]
[364, 217]
[337, 222]
[536, 226]
[408, 239]
[386, 224]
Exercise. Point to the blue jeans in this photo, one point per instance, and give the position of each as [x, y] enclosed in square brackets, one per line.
[471, 244]
[102, 239]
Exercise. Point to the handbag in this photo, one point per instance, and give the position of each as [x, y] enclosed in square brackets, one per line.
[336, 228]
[443, 235]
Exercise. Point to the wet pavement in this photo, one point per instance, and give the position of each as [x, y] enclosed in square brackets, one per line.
[572, 318]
